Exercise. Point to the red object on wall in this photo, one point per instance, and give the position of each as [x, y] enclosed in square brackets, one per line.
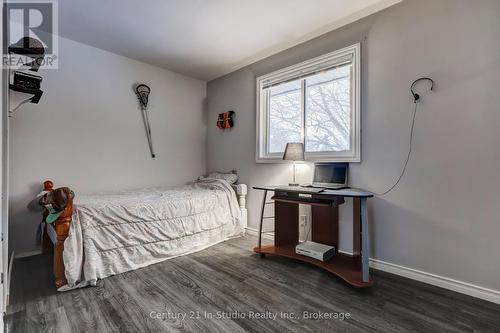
[225, 120]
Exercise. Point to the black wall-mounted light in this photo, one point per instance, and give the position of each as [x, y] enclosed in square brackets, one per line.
[29, 47]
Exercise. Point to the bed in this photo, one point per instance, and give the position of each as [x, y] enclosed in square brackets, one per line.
[104, 234]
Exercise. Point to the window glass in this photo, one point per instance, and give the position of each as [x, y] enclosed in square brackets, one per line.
[285, 115]
[315, 102]
[328, 111]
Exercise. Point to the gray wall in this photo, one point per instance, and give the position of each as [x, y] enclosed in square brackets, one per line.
[87, 132]
[443, 218]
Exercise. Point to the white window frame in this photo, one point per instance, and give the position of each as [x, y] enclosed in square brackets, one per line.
[326, 61]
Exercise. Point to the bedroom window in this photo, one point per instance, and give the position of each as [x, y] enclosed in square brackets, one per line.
[315, 102]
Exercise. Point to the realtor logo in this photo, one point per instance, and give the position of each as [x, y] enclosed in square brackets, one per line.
[31, 35]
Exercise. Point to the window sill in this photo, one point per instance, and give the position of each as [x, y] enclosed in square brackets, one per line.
[311, 159]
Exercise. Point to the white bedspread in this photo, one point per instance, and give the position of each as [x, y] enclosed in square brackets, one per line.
[119, 232]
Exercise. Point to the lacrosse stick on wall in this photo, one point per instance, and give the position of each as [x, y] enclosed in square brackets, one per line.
[142, 91]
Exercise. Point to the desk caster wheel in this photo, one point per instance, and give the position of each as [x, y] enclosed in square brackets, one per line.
[263, 255]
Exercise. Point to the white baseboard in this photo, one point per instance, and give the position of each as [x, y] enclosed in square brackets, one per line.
[255, 232]
[466, 288]
[437, 280]
[27, 254]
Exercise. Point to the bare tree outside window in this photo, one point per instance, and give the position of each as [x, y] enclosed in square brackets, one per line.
[285, 116]
[326, 119]
[315, 102]
[328, 111]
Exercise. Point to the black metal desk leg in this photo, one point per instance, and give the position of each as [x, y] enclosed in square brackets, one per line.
[261, 221]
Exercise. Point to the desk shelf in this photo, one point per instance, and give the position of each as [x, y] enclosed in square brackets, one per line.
[347, 267]
[353, 269]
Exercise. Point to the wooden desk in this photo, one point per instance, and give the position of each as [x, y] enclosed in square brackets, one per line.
[354, 269]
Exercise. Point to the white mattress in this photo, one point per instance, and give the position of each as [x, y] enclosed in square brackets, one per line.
[118, 232]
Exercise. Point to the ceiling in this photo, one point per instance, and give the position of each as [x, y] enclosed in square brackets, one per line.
[205, 39]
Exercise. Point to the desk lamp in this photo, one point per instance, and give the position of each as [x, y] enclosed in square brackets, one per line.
[294, 151]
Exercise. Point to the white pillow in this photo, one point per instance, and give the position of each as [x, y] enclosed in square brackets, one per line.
[229, 177]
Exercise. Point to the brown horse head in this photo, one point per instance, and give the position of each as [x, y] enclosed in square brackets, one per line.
[58, 198]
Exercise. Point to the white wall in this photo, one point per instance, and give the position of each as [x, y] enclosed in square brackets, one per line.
[87, 132]
[443, 218]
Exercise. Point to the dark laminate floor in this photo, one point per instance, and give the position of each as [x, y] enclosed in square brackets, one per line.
[229, 279]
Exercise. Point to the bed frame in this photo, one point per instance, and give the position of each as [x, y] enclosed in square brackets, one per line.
[56, 233]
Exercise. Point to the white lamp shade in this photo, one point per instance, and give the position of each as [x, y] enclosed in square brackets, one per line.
[294, 151]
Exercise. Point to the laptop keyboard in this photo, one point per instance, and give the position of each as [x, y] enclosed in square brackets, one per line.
[301, 189]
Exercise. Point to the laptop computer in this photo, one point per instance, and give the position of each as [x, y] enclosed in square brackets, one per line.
[330, 176]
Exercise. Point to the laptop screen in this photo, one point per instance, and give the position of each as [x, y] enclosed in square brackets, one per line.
[330, 173]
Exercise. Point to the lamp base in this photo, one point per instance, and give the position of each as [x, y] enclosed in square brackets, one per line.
[293, 184]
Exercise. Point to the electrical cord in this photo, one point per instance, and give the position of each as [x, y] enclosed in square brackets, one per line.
[403, 171]
[308, 232]
[416, 100]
